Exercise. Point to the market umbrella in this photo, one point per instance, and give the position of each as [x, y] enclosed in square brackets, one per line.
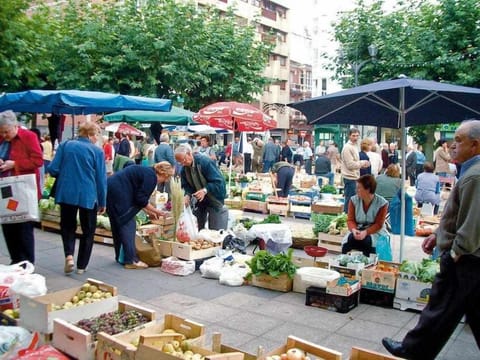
[76, 102]
[234, 116]
[396, 104]
[176, 116]
[124, 128]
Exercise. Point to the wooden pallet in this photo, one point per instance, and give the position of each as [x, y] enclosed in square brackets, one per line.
[332, 242]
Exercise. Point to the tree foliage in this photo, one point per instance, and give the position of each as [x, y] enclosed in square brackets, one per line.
[163, 49]
[421, 39]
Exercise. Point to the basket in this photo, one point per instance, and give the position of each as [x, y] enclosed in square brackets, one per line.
[315, 251]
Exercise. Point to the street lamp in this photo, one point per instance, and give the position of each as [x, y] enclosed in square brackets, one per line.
[356, 67]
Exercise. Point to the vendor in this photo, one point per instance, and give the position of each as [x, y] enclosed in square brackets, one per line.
[128, 192]
[283, 172]
[365, 218]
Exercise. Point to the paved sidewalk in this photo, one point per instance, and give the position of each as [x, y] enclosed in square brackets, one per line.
[246, 316]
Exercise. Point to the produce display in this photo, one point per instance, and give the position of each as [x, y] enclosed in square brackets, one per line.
[424, 270]
[87, 294]
[270, 219]
[264, 262]
[329, 224]
[113, 323]
[291, 354]
[48, 204]
[345, 259]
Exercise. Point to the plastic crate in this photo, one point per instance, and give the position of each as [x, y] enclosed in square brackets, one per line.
[377, 298]
[318, 297]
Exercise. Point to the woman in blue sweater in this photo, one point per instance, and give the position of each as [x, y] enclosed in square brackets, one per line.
[129, 191]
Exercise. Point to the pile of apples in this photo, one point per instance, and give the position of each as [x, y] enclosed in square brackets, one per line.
[291, 354]
[171, 342]
[87, 294]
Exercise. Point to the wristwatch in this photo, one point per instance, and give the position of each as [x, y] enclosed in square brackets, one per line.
[206, 191]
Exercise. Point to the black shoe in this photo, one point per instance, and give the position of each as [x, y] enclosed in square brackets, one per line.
[394, 347]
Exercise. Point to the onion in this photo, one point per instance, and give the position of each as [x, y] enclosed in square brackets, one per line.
[295, 354]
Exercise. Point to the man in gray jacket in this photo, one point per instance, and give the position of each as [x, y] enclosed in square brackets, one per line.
[270, 155]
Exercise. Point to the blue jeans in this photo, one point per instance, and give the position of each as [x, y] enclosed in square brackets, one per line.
[349, 190]
[330, 176]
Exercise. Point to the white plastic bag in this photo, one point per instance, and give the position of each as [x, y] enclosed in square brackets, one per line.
[212, 268]
[29, 285]
[187, 226]
[14, 339]
[9, 274]
[175, 266]
[233, 275]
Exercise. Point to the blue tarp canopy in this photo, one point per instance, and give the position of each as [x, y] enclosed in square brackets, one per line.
[78, 102]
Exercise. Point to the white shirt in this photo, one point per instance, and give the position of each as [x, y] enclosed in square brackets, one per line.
[247, 148]
[376, 162]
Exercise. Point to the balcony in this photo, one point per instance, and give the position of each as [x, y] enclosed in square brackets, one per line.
[269, 14]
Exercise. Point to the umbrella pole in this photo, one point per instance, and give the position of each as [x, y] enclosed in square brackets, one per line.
[404, 173]
[73, 126]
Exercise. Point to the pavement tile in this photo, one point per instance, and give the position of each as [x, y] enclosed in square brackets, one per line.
[386, 316]
[249, 322]
[210, 312]
[367, 330]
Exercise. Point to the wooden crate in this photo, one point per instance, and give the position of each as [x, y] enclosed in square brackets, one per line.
[121, 346]
[332, 242]
[37, 314]
[323, 208]
[364, 354]
[255, 205]
[282, 283]
[186, 251]
[309, 348]
[276, 205]
[79, 343]
[166, 220]
[220, 348]
[166, 247]
[50, 215]
[234, 203]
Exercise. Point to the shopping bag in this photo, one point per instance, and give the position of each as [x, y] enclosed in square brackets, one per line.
[383, 248]
[9, 274]
[18, 199]
[187, 226]
[148, 251]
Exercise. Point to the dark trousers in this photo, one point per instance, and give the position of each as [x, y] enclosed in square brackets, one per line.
[247, 163]
[68, 228]
[217, 217]
[455, 292]
[284, 180]
[349, 190]
[365, 245]
[124, 236]
[20, 241]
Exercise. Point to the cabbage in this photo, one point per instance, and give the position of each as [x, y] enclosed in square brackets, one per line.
[428, 270]
[410, 267]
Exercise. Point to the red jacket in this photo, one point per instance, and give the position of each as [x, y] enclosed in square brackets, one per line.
[25, 150]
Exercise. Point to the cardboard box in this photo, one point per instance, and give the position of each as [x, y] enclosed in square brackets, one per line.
[121, 346]
[312, 276]
[346, 289]
[377, 278]
[352, 270]
[80, 344]
[186, 251]
[37, 313]
[309, 348]
[318, 297]
[282, 283]
[412, 290]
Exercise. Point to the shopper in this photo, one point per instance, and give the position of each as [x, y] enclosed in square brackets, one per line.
[257, 160]
[81, 188]
[428, 188]
[283, 172]
[351, 165]
[20, 154]
[129, 191]
[204, 187]
[366, 218]
[441, 158]
[389, 183]
[365, 147]
[164, 151]
[323, 169]
[455, 290]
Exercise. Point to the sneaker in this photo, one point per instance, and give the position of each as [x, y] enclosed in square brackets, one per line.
[69, 265]
[81, 271]
[136, 265]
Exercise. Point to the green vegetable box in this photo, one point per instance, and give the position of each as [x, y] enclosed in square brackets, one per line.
[414, 284]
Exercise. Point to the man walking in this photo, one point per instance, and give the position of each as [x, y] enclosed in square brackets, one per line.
[455, 291]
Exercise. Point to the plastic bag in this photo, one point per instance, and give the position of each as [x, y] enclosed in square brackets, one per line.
[233, 275]
[234, 244]
[148, 251]
[175, 266]
[8, 275]
[19, 201]
[42, 353]
[212, 268]
[187, 226]
[15, 340]
[383, 248]
[30, 285]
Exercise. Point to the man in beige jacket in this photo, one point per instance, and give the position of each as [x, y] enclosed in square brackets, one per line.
[351, 165]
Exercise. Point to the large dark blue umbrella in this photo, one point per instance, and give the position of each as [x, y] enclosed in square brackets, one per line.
[395, 104]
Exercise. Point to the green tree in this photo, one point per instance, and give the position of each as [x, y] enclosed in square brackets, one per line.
[22, 55]
[421, 39]
[164, 49]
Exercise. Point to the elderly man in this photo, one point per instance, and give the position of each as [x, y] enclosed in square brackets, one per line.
[204, 187]
[455, 291]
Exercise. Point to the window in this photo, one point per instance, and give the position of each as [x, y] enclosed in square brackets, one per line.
[283, 60]
[283, 85]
